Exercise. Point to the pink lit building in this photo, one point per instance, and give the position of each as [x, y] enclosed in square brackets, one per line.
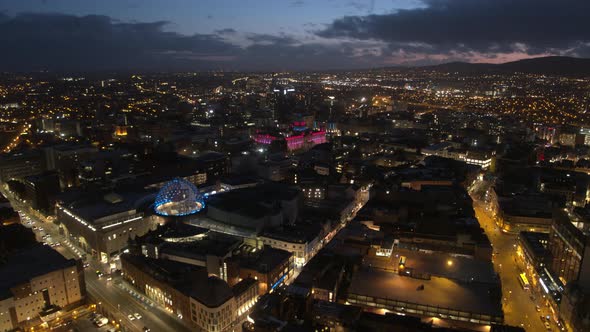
[297, 141]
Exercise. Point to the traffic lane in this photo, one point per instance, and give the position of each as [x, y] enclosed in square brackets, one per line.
[115, 297]
[518, 307]
[99, 287]
[152, 317]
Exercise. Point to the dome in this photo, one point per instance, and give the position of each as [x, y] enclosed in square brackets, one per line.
[178, 198]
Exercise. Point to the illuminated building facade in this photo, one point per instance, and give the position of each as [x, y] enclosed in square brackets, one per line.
[203, 301]
[34, 280]
[301, 139]
[570, 251]
[102, 226]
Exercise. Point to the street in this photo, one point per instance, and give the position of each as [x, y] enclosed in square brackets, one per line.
[106, 293]
[519, 305]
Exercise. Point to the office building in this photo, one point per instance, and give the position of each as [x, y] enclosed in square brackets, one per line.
[35, 282]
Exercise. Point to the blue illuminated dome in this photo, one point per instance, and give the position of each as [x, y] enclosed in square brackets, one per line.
[178, 198]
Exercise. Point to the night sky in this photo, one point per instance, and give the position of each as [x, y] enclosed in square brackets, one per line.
[80, 35]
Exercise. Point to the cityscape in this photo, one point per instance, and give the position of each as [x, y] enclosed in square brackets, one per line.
[222, 166]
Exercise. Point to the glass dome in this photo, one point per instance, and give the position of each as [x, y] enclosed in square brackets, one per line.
[178, 198]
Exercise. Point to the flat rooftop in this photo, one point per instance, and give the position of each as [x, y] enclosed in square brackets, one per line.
[213, 243]
[181, 276]
[20, 267]
[92, 206]
[295, 233]
[534, 241]
[265, 260]
[437, 264]
[437, 292]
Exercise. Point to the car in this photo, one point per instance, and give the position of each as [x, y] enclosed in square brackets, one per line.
[109, 278]
[547, 326]
[137, 315]
[146, 329]
[538, 308]
[131, 317]
[102, 322]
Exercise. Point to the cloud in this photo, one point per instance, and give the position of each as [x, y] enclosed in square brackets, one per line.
[66, 42]
[484, 26]
[88, 43]
[267, 39]
[297, 3]
[439, 31]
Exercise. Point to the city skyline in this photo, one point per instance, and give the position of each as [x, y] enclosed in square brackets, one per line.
[297, 165]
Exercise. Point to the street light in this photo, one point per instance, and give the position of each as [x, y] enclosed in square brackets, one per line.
[450, 262]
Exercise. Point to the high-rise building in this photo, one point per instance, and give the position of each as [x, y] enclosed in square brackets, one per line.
[570, 251]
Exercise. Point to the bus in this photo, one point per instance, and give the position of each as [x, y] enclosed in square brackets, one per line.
[524, 282]
[402, 262]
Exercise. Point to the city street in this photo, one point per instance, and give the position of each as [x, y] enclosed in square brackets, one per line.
[519, 306]
[105, 292]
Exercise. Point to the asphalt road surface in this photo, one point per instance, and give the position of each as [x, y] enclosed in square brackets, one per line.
[106, 292]
[519, 307]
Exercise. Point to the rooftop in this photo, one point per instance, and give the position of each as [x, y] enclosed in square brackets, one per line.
[264, 260]
[212, 243]
[533, 241]
[93, 206]
[21, 266]
[296, 233]
[438, 292]
[212, 292]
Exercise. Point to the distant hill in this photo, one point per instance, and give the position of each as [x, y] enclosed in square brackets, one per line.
[552, 65]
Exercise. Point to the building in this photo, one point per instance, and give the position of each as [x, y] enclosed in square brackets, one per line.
[35, 280]
[574, 309]
[570, 251]
[203, 301]
[178, 198]
[298, 140]
[20, 165]
[41, 190]
[102, 223]
[532, 213]
[66, 159]
[255, 208]
[479, 158]
[532, 248]
[435, 297]
[180, 242]
[275, 169]
[271, 267]
[302, 242]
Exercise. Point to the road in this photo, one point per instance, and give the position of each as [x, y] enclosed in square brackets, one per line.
[519, 305]
[107, 293]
